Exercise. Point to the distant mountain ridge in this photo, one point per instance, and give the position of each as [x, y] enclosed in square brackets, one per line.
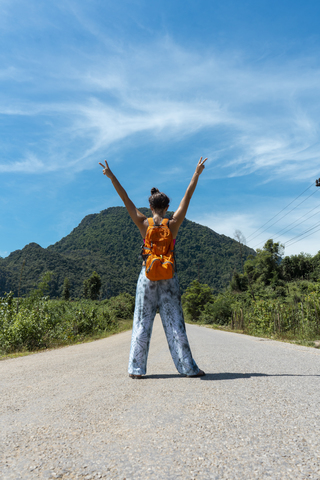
[109, 243]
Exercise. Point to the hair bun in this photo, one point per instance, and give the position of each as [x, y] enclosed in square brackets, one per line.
[158, 200]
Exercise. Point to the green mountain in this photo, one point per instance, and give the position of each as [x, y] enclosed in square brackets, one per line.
[109, 243]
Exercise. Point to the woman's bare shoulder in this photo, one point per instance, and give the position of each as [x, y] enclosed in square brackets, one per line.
[143, 227]
[174, 226]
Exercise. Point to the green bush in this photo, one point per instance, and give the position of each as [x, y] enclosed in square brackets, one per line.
[39, 322]
[195, 298]
[121, 306]
[26, 328]
[219, 312]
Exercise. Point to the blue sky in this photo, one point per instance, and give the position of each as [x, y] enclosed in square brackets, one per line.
[152, 86]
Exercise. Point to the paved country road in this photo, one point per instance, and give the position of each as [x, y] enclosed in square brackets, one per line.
[74, 412]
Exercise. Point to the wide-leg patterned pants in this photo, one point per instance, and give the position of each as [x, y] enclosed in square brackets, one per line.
[165, 295]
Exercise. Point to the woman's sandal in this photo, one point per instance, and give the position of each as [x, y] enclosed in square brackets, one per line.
[131, 375]
[199, 374]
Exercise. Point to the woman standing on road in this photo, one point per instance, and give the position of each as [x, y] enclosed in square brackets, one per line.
[162, 294]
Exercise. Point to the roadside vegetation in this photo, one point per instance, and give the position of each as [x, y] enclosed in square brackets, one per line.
[36, 322]
[273, 296]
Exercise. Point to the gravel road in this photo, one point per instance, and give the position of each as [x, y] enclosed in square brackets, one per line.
[74, 412]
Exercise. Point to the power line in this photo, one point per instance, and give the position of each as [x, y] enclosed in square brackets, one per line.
[303, 233]
[304, 237]
[285, 229]
[283, 216]
[279, 212]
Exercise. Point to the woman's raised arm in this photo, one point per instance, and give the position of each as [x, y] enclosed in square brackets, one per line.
[180, 213]
[137, 217]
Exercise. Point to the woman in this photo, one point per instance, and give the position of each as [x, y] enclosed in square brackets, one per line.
[162, 294]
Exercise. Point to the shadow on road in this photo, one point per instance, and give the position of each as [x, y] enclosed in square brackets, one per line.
[235, 376]
[226, 376]
[163, 375]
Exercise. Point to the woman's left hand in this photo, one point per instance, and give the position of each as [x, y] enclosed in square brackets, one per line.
[106, 170]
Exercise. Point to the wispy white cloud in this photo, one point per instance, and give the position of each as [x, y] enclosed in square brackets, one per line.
[228, 221]
[263, 117]
[31, 164]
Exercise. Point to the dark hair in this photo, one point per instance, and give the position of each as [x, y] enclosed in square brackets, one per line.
[158, 200]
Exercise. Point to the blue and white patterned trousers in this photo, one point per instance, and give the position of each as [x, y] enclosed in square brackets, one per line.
[165, 295]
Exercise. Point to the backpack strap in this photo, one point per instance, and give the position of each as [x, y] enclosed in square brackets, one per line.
[143, 246]
[165, 221]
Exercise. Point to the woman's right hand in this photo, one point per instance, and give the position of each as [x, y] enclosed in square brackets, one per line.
[106, 170]
[200, 166]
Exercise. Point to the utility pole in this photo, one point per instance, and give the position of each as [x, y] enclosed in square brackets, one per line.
[318, 182]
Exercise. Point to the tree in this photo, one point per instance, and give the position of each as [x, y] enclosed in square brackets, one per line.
[297, 266]
[195, 298]
[316, 267]
[91, 286]
[239, 282]
[85, 288]
[43, 288]
[220, 311]
[265, 266]
[240, 238]
[66, 289]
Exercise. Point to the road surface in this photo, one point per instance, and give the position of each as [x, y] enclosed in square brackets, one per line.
[74, 413]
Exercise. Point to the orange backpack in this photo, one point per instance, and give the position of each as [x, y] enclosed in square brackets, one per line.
[158, 251]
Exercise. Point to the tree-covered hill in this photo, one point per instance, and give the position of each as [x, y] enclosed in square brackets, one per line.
[109, 243]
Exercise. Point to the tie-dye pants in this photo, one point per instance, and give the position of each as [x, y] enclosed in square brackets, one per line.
[165, 295]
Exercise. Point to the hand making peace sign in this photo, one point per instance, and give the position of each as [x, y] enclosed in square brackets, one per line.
[106, 170]
[200, 166]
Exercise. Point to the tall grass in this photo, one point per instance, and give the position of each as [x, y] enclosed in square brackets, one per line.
[299, 320]
[38, 322]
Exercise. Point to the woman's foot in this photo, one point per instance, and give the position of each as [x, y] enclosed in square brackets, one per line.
[131, 375]
[199, 374]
